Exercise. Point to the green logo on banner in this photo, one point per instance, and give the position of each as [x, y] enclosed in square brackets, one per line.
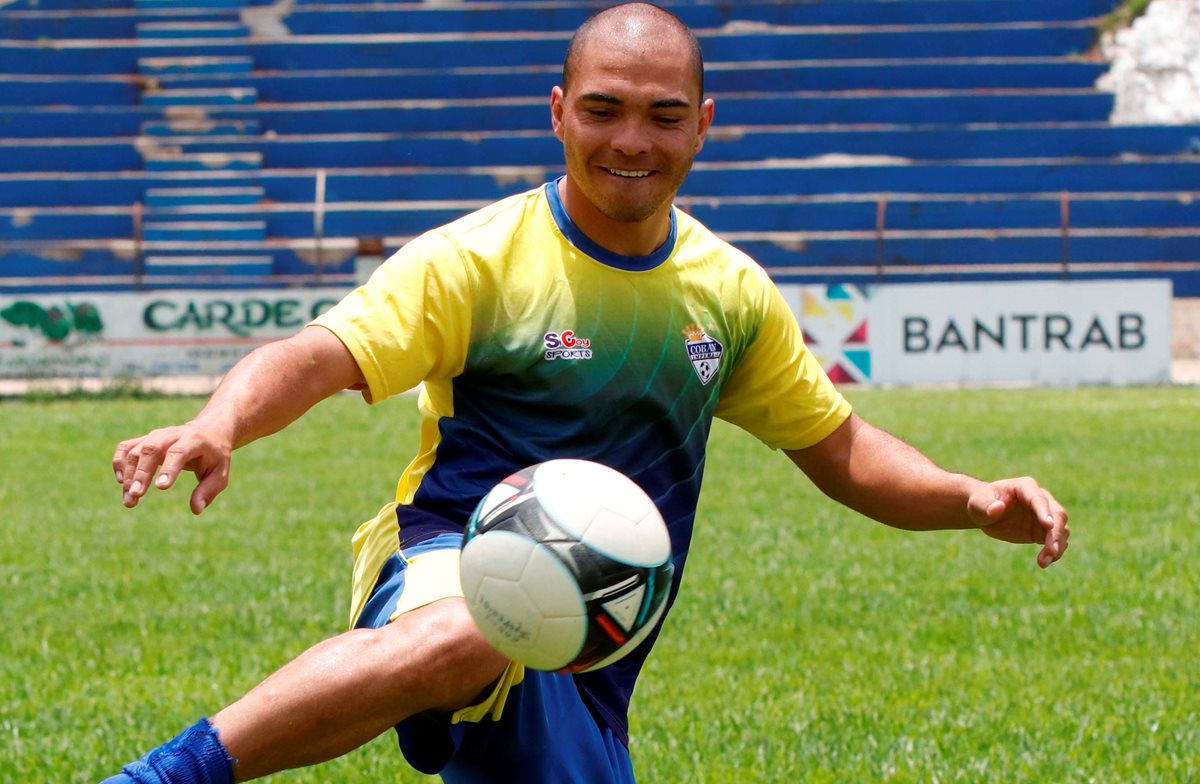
[54, 322]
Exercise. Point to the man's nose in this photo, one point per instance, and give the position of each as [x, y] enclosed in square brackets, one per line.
[630, 137]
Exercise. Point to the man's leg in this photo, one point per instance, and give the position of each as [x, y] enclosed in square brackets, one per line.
[345, 691]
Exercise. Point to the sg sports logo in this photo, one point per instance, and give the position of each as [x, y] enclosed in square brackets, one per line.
[566, 345]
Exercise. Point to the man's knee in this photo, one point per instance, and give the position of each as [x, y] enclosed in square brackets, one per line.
[438, 650]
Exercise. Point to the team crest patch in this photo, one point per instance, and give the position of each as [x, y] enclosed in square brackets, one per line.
[703, 351]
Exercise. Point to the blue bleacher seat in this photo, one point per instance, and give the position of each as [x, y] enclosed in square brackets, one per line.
[859, 140]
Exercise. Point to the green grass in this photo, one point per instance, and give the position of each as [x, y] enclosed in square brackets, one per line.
[1123, 15]
[808, 644]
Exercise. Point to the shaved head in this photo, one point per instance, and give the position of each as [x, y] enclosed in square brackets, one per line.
[642, 22]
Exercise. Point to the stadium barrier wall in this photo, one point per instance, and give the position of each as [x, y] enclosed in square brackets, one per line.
[1054, 333]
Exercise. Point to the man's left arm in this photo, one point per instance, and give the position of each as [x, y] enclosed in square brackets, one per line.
[880, 476]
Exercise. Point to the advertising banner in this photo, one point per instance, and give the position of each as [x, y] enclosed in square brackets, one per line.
[151, 334]
[1053, 333]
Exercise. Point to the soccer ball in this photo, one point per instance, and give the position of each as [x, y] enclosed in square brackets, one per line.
[566, 566]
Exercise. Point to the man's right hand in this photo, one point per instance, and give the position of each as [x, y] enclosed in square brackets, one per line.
[161, 455]
[263, 393]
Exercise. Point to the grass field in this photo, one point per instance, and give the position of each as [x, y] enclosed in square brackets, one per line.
[808, 644]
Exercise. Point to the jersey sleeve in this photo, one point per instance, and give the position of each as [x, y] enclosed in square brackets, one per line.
[779, 392]
[411, 321]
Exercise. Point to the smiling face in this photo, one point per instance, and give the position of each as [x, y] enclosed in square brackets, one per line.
[631, 122]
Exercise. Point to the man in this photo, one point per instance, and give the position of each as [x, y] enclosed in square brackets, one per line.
[472, 310]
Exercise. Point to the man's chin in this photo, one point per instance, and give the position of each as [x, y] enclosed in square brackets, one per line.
[631, 217]
[623, 212]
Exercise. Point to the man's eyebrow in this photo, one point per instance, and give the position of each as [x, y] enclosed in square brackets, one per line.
[601, 98]
[612, 100]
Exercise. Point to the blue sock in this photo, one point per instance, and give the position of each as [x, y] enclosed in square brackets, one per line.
[194, 756]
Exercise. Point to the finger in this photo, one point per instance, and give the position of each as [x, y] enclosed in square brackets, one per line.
[118, 458]
[985, 507]
[129, 466]
[178, 457]
[1058, 537]
[138, 471]
[1057, 532]
[1050, 553]
[1030, 494]
[210, 486]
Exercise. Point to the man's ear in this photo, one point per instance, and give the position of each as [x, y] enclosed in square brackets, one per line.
[707, 111]
[557, 107]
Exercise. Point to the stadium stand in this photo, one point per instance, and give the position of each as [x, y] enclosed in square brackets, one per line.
[224, 143]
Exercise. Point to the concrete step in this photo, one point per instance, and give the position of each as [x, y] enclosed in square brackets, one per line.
[202, 127]
[25, 93]
[193, 66]
[779, 250]
[893, 214]
[488, 51]
[316, 17]
[153, 5]
[109, 20]
[229, 96]
[78, 187]
[293, 262]
[744, 145]
[293, 85]
[114, 24]
[174, 230]
[215, 265]
[191, 31]
[183, 197]
[733, 146]
[205, 162]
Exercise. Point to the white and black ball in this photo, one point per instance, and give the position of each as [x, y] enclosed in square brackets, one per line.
[566, 566]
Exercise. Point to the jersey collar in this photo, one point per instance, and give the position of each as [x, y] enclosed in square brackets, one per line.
[591, 248]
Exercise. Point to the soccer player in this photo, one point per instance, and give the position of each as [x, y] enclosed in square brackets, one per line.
[667, 327]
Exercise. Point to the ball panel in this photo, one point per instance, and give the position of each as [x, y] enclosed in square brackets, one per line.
[503, 555]
[498, 495]
[507, 617]
[558, 643]
[568, 491]
[641, 539]
[599, 506]
[634, 641]
[608, 638]
[525, 602]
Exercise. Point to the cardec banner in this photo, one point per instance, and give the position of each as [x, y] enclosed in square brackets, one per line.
[161, 333]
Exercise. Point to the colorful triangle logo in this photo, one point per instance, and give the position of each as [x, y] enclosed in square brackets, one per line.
[813, 307]
[838, 375]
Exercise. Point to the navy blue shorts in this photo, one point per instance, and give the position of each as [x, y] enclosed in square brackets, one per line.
[532, 727]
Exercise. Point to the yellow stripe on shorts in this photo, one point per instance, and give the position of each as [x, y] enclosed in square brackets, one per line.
[428, 577]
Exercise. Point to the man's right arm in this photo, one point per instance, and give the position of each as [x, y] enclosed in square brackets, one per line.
[265, 392]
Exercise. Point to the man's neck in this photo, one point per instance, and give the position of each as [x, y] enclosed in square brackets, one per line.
[626, 238]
